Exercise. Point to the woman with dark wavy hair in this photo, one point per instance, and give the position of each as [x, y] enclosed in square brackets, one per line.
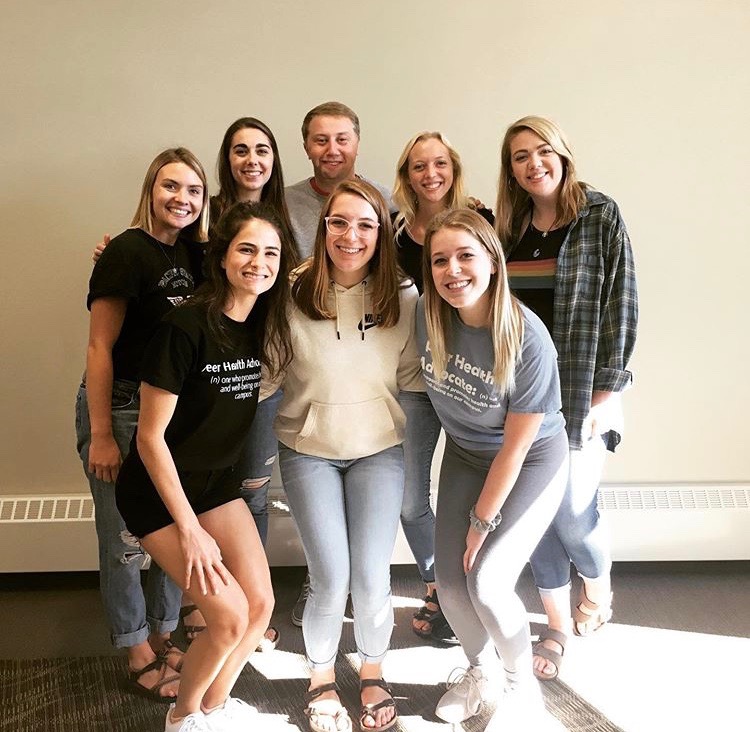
[177, 492]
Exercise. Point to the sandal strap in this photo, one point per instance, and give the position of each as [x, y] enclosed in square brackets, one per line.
[548, 654]
[380, 683]
[554, 635]
[187, 610]
[313, 694]
[153, 666]
[368, 709]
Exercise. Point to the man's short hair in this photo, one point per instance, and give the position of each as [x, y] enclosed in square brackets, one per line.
[329, 109]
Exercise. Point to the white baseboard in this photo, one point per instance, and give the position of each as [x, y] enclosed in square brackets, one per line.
[46, 533]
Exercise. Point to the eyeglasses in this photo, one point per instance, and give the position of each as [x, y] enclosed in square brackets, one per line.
[339, 226]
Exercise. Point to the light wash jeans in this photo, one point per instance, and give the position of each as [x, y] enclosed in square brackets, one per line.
[131, 616]
[417, 517]
[256, 461]
[347, 516]
[577, 533]
[482, 607]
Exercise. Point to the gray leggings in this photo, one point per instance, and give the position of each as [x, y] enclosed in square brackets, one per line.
[483, 607]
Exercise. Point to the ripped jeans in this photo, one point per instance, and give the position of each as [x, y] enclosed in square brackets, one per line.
[131, 615]
[256, 460]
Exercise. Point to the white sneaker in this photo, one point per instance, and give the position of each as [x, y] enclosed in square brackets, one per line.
[522, 710]
[195, 722]
[233, 715]
[467, 689]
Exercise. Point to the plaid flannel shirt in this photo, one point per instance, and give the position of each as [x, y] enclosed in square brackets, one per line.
[595, 311]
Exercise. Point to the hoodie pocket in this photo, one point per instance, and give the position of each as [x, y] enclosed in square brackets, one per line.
[347, 431]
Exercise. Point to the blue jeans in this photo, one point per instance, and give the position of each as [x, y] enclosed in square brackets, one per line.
[347, 516]
[577, 533]
[131, 616]
[257, 459]
[417, 517]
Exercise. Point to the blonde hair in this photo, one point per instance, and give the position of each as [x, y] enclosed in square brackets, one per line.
[506, 319]
[404, 197]
[310, 289]
[513, 201]
[144, 214]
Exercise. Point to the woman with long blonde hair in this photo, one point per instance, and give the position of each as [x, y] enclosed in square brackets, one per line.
[490, 372]
[569, 259]
[429, 180]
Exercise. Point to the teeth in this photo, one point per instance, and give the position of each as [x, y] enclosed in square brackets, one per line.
[349, 251]
[458, 285]
[178, 211]
[432, 186]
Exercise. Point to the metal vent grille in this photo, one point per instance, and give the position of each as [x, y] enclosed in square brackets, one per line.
[673, 499]
[36, 509]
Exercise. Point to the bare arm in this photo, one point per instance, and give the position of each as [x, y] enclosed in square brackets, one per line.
[107, 316]
[519, 433]
[202, 554]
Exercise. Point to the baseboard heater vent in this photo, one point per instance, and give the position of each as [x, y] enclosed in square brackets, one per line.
[674, 522]
[32, 509]
[619, 499]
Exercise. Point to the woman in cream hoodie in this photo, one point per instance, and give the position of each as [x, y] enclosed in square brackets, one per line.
[340, 430]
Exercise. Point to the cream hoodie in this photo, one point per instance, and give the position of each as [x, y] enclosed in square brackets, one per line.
[340, 391]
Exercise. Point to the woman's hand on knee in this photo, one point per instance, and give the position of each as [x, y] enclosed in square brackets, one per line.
[202, 560]
[474, 541]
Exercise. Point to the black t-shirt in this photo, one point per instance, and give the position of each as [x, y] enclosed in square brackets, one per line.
[153, 278]
[532, 267]
[410, 253]
[217, 388]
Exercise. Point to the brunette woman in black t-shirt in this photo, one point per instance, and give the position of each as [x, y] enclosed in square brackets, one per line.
[143, 274]
[177, 492]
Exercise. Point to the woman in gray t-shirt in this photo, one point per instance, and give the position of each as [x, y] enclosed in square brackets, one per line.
[491, 373]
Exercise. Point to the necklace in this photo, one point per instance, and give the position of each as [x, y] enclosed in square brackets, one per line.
[540, 231]
[163, 249]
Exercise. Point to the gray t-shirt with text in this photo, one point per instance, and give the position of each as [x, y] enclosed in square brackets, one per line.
[465, 399]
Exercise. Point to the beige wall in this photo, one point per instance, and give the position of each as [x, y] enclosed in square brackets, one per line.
[653, 95]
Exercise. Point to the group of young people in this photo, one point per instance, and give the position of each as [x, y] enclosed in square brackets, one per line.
[291, 319]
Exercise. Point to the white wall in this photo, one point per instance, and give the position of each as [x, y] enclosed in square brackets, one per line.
[653, 95]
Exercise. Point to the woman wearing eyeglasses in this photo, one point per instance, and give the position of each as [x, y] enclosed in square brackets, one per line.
[340, 430]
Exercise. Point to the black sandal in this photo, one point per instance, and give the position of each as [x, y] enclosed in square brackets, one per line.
[191, 631]
[368, 710]
[440, 630]
[152, 692]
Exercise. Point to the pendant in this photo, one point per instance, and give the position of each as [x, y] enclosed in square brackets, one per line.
[544, 234]
[536, 253]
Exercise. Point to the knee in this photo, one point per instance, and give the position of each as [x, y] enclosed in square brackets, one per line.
[260, 609]
[229, 628]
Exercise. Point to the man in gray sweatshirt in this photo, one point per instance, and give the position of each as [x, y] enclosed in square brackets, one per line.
[330, 136]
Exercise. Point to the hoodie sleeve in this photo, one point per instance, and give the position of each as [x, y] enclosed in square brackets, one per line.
[409, 367]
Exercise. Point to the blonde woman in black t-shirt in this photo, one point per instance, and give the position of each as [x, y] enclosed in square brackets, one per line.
[177, 492]
[145, 271]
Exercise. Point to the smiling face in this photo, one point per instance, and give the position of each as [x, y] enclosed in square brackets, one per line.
[251, 162]
[350, 253]
[177, 201]
[430, 171]
[332, 145]
[252, 260]
[537, 168]
[462, 270]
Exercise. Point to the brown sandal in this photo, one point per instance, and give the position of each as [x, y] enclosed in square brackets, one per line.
[152, 692]
[368, 710]
[588, 616]
[548, 654]
[170, 650]
[191, 631]
[330, 708]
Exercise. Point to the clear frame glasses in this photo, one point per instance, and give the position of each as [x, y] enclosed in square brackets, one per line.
[339, 226]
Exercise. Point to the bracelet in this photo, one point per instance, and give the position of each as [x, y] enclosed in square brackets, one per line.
[481, 526]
